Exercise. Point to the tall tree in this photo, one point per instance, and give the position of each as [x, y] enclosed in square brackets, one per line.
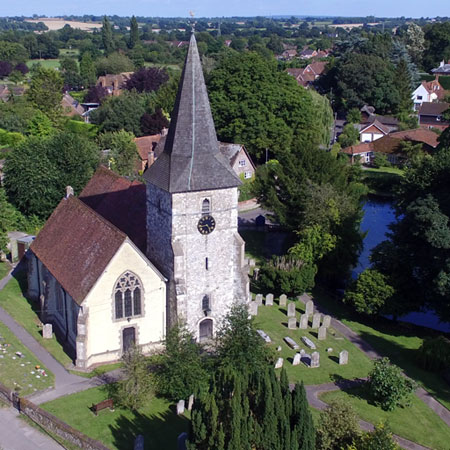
[87, 70]
[403, 85]
[107, 36]
[415, 42]
[134, 33]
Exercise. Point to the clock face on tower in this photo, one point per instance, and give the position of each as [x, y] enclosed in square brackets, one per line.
[206, 224]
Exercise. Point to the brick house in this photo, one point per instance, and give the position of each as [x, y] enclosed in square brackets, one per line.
[431, 115]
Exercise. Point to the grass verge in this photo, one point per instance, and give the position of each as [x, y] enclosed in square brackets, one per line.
[4, 269]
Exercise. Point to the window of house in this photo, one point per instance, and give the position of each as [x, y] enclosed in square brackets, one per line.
[247, 175]
[127, 296]
[206, 206]
[419, 97]
[242, 162]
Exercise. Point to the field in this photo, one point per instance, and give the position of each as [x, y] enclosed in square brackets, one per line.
[56, 24]
[45, 63]
[157, 421]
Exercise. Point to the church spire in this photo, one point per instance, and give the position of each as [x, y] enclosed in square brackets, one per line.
[191, 160]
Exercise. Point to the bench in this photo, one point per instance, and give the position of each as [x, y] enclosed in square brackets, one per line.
[109, 403]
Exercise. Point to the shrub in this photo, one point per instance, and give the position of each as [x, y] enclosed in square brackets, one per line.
[380, 160]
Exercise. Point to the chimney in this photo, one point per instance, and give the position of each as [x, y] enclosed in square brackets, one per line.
[150, 158]
[69, 191]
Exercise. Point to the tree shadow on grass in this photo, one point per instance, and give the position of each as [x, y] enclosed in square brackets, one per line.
[160, 430]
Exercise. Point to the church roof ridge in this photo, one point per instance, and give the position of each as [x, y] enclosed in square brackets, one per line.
[191, 160]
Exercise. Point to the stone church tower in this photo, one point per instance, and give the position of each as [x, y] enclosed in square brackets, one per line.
[192, 214]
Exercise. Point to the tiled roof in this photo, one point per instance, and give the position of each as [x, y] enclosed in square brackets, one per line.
[376, 124]
[418, 135]
[146, 144]
[75, 245]
[358, 149]
[433, 108]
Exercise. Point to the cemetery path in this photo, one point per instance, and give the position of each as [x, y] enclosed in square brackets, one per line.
[355, 339]
[313, 392]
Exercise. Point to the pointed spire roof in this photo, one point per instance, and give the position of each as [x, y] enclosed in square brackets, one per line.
[191, 160]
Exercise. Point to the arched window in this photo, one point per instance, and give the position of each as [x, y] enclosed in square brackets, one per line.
[206, 206]
[127, 296]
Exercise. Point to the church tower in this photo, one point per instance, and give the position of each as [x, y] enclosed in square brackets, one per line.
[192, 213]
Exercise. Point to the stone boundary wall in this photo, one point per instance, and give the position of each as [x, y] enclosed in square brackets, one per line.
[49, 422]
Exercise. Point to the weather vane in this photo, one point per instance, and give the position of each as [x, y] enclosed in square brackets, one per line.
[191, 13]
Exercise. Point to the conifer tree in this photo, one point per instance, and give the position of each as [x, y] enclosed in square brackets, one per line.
[403, 85]
[134, 33]
[107, 36]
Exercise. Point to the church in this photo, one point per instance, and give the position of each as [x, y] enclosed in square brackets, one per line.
[122, 262]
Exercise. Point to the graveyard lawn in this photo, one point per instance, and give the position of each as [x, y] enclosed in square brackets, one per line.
[117, 429]
[4, 269]
[24, 313]
[417, 422]
[273, 320]
[19, 373]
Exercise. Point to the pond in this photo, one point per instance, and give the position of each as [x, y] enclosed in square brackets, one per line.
[378, 214]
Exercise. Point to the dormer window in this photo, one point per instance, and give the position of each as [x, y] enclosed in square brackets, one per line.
[206, 206]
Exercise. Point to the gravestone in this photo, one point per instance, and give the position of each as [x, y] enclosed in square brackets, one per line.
[264, 336]
[190, 402]
[304, 298]
[289, 341]
[283, 299]
[343, 357]
[279, 363]
[322, 335]
[326, 321]
[279, 348]
[269, 300]
[309, 308]
[259, 299]
[303, 321]
[256, 273]
[139, 442]
[180, 407]
[316, 320]
[297, 359]
[292, 323]
[251, 262]
[315, 359]
[291, 309]
[181, 441]
[253, 308]
[308, 342]
[47, 331]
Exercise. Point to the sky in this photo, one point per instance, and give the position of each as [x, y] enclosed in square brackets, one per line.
[227, 8]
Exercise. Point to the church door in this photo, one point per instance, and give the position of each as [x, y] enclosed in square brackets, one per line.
[128, 338]
[206, 329]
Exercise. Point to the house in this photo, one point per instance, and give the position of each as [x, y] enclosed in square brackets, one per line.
[87, 109]
[360, 152]
[114, 83]
[239, 159]
[146, 146]
[306, 77]
[307, 53]
[6, 91]
[443, 69]
[428, 91]
[125, 260]
[368, 116]
[288, 54]
[71, 107]
[372, 131]
[431, 115]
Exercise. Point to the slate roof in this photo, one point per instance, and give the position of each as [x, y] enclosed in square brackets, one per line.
[376, 124]
[433, 108]
[191, 160]
[75, 245]
[442, 69]
[120, 201]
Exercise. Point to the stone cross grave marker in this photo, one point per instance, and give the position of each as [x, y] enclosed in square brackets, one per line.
[326, 321]
[297, 359]
[308, 342]
[315, 359]
[269, 300]
[47, 331]
[343, 357]
[265, 336]
[279, 363]
[291, 309]
[180, 407]
[259, 299]
[283, 299]
[292, 323]
[316, 320]
[253, 308]
[309, 308]
[322, 335]
[303, 321]
[190, 402]
[289, 341]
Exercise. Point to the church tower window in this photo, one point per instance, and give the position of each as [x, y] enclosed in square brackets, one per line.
[127, 296]
[206, 206]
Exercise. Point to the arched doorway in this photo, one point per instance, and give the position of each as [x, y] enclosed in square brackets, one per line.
[206, 329]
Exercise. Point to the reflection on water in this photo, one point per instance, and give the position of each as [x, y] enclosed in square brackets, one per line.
[378, 214]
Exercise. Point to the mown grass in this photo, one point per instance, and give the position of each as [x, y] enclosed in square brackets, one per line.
[273, 320]
[157, 421]
[4, 269]
[382, 181]
[45, 63]
[417, 422]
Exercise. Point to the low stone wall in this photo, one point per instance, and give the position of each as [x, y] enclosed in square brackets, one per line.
[6, 394]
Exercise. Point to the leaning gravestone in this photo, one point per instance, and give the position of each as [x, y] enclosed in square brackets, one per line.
[289, 341]
[292, 323]
[139, 442]
[259, 299]
[291, 309]
[343, 357]
[315, 359]
[279, 363]
[283, 299]
[264, 336]
[297, 359]
[47, 331]
[190, 402]
[180, 407]
[326, 321]
[308, 342]
[322, 335]
[316, 320]
[309, 308]
[269, 300]
[303, 321]
[253, 308]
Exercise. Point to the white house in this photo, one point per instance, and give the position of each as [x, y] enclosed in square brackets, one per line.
[428, 91]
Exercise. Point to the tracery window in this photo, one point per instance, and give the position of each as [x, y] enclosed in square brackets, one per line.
[127, 296]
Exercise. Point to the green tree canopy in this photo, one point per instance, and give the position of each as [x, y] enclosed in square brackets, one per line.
[114, 63]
